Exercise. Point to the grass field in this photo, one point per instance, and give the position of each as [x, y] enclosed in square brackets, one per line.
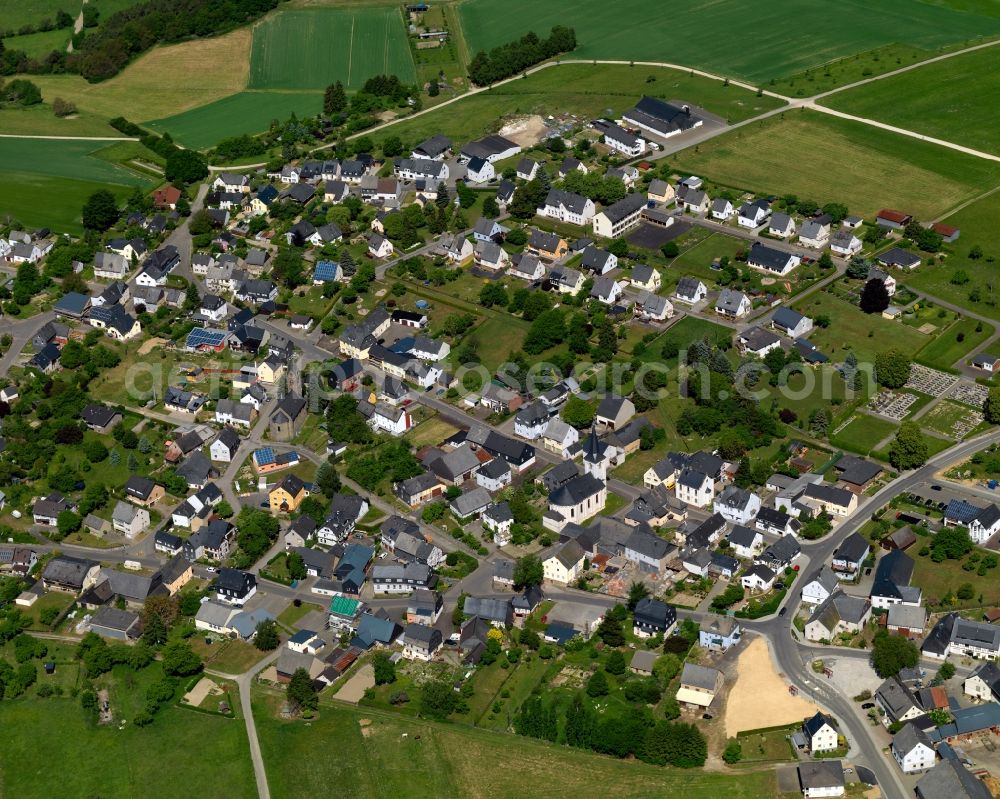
[788, 36]
[453, 760]
[582, 89]
[244, 112]
[46, 182]
[944, 350]
[939, 579]
[850, 326]
[944, 99]
[310, 48]
[38, 120]
[31, 12]
[863, 434]
[212, 68]
[120, 764]
[978, 225]
[39, 45]
[842, 161]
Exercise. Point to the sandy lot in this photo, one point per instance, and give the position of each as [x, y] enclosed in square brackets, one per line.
[202, 690]
[525, 131]
[150, 345]
[759, 697]
[354, 688]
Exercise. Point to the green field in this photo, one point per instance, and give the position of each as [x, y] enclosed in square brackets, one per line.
[850, 327]
[944, 350]
[944, 99]
[200, 750]
[435, 760]
[779, 38]
[311, 48]
[582, 89]
[31, 12]
[46, 182]
[863, 434]
[39, 45]
[837, 160]
[245, 112]
[980, 292]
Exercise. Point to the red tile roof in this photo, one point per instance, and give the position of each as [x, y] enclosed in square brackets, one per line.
[894, 216]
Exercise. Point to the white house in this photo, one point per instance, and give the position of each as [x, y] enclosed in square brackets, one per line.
[791, 323]
[690, 291]
[568, 207]
[912, 750]
[752, 215]
[129, 519]
[781, 226]
[578, 499]
[479, 170]
[737, 505]
[771, 260]
[815, 233]
[758, 578]
[694, 488]
[821, 779]
[844, 243]
[745, 541]
[723, 209]
[820, 733]
[394, 421]
[819, 585]
[733, 304]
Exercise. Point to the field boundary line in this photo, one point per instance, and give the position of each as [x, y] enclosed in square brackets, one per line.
[350, 52]
[67, 138]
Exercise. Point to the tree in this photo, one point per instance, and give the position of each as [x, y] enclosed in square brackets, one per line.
[267, 638]
[68, 522]
[874, 297]
[891, 653]
[892, 368]
[610, 631]
[908, 449]
[581, 723]
[185, 166]
[951, 543]
[301, 692]
[100, 211]
[437, 700]
[528, 571]
[385, 669]
[636, 591]
[579, 412]
[991, 407]
[493, 294]
[179, 660]
[296, 566]
[597, 685]
[947, 670]
[615, 663]
[733, 752]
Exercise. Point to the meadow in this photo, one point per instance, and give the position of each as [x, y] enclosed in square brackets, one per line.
[944, 99]
[244, 112]
[311, 48]
[400, 756]
[582, 89]
[977, 290]
[837, 160]
[120, 764]
[46, 181]
[787, 36]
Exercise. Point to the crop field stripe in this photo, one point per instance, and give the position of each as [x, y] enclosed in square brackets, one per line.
[350, 51]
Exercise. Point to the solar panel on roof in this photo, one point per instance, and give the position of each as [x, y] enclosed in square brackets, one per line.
[264, 456]
[961, 511]
[202, 337]
[325, 270]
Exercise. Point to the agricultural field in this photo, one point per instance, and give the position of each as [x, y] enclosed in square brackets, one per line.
[943, 99]
[47, 181]
[38, 120]
[789, 36]
[582, 89]
[244, 112]
[119, 764]
[968, 282]
[838, 160]
[213, 68]
[311, 48]
[31, 12]
[39, 45]
[393, 755]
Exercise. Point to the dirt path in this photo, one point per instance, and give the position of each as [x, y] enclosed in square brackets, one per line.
[355, 688]
[760, 697]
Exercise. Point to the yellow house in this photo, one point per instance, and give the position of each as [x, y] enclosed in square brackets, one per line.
[287, 495]
[565, 563]
[270, 371]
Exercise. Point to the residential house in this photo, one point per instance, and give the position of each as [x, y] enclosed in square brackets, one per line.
[838, 613]
[287, 495]
[527, 169]
[964, 638]
[845, 244]
[699, 685]
[490, 255]
[69, 574]
[498, 519]
[849, 556]
[568, 207]
[984, 682]
[791, 323]
[771, 260]
[564, 563]
[753, 214]
[733, 304]
[645, 277]
[819, 585]
[606, 290]
[897, 702]
[781, 226]
[653, 307]
[696, 201]
[900, 258]
[547, 245]
[690, 291]
[891, 584]
[821, 778]
[566, 280]
[758, 578]
[527, 266]
[722, 209]
[721, 634]
[598, 261]
[757, 341]
[129, 520]
[479, 170]
[744, 541]
[653, 617]
[820, 732]
[421, 642]
[913, 751]
[694, 488]
[614, 220]
[815, 233]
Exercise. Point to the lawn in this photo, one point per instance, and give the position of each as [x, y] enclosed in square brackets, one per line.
[39, 45]
[850, 328]
[46, 182]
[120, 764]
[310, 48]
[863, 434]
[431, 432]
[967, 282]
[938, 579]
[686, 331]
[244, 112]
[696, 261]
[767, 746]
[498, 337]
[837, 160]
[582, 89]
[454, 760]
[788, 36]
[38, 120]
[945, 349]
[943, 99]
[227, 655]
